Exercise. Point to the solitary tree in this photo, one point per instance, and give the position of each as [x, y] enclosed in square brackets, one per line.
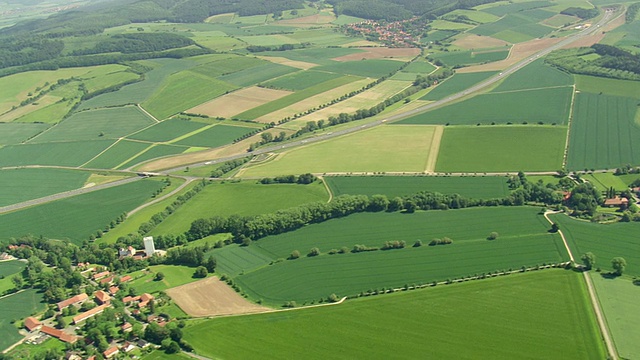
[555, 227]
[314, 252]
[494, 235]
[589, 260]
[201, 272]
[159, 276]
[618, 264]
[294, 255]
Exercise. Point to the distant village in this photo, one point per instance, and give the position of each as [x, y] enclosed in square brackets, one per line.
[404, 33]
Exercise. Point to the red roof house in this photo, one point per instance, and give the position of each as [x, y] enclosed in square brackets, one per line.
[111, 352]
[102, 297]
[32, 323]
[72, 300]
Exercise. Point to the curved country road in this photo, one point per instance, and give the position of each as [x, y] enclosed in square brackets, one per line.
[611, 350]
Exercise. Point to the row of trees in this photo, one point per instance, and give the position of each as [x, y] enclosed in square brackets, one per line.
[615, 64]
[303, 179]
[618, 264]
[581, 12]
[137, 43]
[632, 12]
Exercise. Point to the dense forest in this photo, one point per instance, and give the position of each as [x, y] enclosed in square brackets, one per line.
[613, 62]
[394, 10]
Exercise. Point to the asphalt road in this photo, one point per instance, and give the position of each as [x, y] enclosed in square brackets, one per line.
[607, 18]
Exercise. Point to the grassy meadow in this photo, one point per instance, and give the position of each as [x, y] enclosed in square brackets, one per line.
[167, 130]
[397, 148]
[15, 133]
[501, 148]
[120, 152]
[456, 84]
[174, 275]
[477, 319]
[71, 153]
[488, 187]
[533, 76]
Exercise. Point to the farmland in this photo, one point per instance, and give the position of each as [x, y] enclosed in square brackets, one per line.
[618, 300]
[117, 154]
[456, 84]
[244, 198]
[595, 85]
[500, 148]
[471, 57]
[20, 185]
[167, 130]
[549, 105]
[488, 187]
[215, 136]
[522, 232]
[549, 298]
[238, 102]
[78, 217]
[15, 307]
[97, 124]
[143, 280]
[15, 133]
[603, 132]
[605, 241]
[533, 76]
[398, 148]
[366, 68]
[301, 80]
[72, 153]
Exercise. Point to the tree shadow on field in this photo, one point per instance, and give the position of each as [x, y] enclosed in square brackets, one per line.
[609, 275]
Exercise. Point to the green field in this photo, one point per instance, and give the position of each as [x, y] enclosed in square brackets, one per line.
[139, 92]
[97, 124]
[174, 275]
[288, 100]
[471, 320]
[550, 106]
[167, 130]
[216, 136]
[595, 85]
[619, 301]
[603, 132]
[257, 74]
[227, 65]
[456, 84]
[77, 217]
[235, 259]
[501, 148]
[15, 133]
[18, 185]
[320, 56]
[182, 91]
[515, 27]
[245, 198]
[533, 76]
[301, 80]
[488, 187]
[523, 241]
[422, 67]
[72, 153]
[153, 152]
[16, 307]
[8, 268]
[366, 68]
[397, 148]
[605, 181]
[469, 57]
[514, 7]
[474, 15]
[117, 154]
[605, 241]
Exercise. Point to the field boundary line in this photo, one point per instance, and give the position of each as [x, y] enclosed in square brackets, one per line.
[194, 132]
[434, 150]
[569, 121]
[611, 350]
[157, 200]
[531, 89]
[147, 113]
[100, 153]
[151, 146]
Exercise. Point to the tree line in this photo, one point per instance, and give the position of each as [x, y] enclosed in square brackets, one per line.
[137, 43]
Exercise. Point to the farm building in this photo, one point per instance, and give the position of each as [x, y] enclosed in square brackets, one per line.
[59, 334]
[102, 297]
[111, 352]
[78, 299]
[617, 202]
[32, 324]
[88, 314]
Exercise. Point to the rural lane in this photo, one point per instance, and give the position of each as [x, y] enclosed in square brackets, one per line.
[187, 182]
[611, 350]
[607, 18]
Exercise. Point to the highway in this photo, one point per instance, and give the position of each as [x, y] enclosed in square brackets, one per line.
[606, 19]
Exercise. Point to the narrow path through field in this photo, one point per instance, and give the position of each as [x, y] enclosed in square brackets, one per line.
[326, 186]
[147, 113]
[569, 120]
[611, 350]
[187, 182]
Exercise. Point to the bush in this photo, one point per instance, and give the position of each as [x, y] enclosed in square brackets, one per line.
[418, 243]
[494, 235]
[294, 255]
[201, 272]
[314, 252]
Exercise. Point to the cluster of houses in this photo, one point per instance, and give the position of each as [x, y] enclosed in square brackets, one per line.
[393, 34]
[39, 331]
